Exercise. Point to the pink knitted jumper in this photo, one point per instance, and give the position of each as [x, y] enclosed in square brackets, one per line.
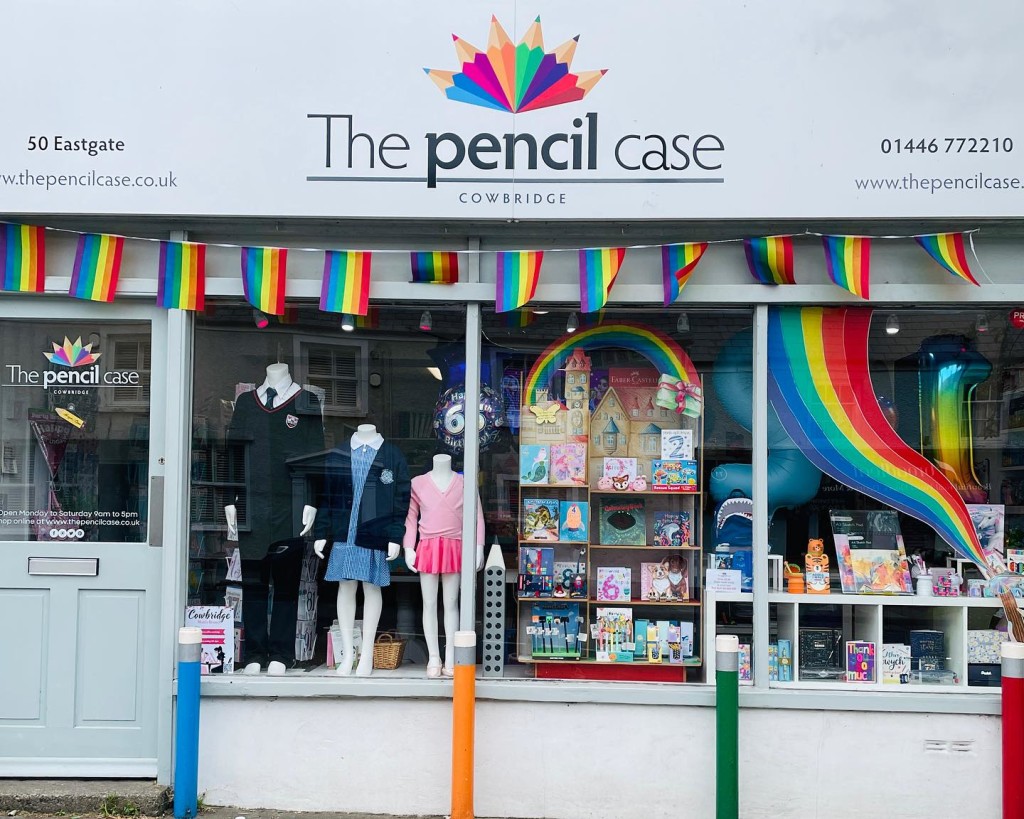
[435, 517]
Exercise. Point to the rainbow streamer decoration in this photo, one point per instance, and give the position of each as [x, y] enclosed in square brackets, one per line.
[665, 355]
[97, 267]
[346, 284]
[181, 278]
[948, 250]
[677, 263]
[518, 274]
[263, 278]
[598, 268]
[770, 259]
[820, 385]
[848, 259]
[515, 77]
[22, 258]
[437, 267]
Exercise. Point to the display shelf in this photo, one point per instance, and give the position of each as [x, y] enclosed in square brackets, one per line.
[689, 662]
[553, 543]
[882, 600]
[656, 492]
[551, 599]
[615, 603]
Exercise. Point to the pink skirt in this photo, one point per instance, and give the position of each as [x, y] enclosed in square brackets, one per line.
[439, 555]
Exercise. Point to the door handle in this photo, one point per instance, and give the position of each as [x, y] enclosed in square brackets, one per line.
[64, 566]
[156, 510]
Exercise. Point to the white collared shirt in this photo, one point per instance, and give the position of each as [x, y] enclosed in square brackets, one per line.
[375, 442]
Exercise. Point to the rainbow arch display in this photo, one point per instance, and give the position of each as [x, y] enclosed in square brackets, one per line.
[820, 386]
[664, 354]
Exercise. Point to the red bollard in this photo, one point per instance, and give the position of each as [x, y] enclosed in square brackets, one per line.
[1013, 730]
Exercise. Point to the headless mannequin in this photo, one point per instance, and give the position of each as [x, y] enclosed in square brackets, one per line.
[442, 476]
[372, 598]
[279, 379]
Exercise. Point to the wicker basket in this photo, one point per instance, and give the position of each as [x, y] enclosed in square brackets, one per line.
[387, 651]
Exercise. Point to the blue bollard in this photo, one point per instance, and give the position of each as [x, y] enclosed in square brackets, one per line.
[186, 729]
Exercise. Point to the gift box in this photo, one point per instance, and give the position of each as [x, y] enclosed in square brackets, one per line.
[984, 645]
[682, 396]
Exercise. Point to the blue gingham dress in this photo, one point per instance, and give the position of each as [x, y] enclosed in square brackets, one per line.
[350, 561]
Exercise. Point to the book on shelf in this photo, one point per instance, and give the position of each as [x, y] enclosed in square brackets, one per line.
[860, 661]
[674, 476]
[613, 635]
[677, 444]
[540, 519]
[895, 663]
[571, 577]
[870, 552]
[667, 580]
[568, 464]
[622, 521]
[671, 529]
[536, 571]
[574, 521]
[614, 584]
[533, 464]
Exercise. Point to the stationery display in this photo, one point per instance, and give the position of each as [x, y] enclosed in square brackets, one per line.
[613, 635]
[536, 572]
[554, 631]
[816, 574]
[571, 577]
[869, 548]
[821, 653]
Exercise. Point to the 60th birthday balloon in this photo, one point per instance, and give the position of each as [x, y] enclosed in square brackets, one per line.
[450, 418]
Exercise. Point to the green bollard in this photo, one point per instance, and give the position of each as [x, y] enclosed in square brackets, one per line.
[727, 724]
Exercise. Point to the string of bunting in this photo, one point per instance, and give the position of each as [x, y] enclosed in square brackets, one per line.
[181, 276]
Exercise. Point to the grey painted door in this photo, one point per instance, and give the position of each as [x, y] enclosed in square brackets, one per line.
[80, 431]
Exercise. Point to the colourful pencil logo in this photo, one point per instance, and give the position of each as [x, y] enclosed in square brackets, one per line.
[72, 353]
[515, 76]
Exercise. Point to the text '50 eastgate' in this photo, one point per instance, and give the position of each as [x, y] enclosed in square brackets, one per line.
[373, 156]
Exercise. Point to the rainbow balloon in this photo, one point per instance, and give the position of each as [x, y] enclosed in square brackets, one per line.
[664, 354]
[820, 386]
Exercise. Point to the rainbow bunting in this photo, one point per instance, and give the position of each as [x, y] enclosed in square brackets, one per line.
[518, 273]
[346, 285]
[948, 250]
[437, 267]
[263, 278]
[677, 263]
[770, 259]
[819, 382]
[97, 266]
[598, 268]
[848, 259]
[22, 258]
[181, 279]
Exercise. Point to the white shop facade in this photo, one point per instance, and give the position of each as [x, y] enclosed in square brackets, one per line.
[115, 521]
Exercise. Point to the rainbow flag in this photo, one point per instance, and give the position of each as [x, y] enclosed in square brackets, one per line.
[770, 259]
[677, 263]
[518, 274]
[97, 266]
[948, 250]
[598, 268]
[346, 285]
[437, 267]
[181, 279]
[848, 259]
[263, 278]
[819, 382]
[22, 258]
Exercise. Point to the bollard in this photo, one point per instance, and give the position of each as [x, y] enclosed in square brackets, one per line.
[1013, 730]
[186, 729]
[463, 716]
[727, 714]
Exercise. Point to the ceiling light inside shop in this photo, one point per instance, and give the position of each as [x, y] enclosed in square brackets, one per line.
[435, 371]
[260, 319]
[541, 312]
[981, 325]
[426, 321]
[573, 324]
[683, 323]
[892, 324]
[348, 323]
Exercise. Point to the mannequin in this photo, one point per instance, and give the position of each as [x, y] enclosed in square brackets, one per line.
[435, 515]
[276, 422]
[367, 492]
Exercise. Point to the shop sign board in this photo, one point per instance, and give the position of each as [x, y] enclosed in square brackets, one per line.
[651, 110]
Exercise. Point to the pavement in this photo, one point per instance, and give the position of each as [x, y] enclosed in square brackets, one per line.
[128, 798]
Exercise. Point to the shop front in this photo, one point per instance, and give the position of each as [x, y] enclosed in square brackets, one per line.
[719, 385]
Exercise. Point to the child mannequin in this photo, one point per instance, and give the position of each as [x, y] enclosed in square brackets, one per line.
[435, 517]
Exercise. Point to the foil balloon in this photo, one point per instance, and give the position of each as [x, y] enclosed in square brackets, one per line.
[949, 370]
[450, 418]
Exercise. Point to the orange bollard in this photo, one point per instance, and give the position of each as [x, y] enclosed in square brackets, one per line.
[463, 724]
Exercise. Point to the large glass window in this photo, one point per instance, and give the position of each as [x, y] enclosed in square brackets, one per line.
[74, 431]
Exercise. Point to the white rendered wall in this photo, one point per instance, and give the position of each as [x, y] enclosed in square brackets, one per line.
[587, 761]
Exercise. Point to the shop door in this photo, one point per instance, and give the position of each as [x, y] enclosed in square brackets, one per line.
[81, 431]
